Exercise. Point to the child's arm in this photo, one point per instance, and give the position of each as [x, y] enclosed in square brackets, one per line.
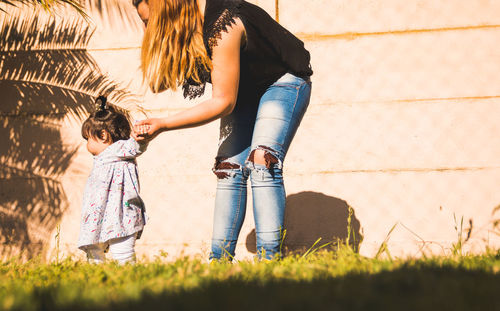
[131, 148]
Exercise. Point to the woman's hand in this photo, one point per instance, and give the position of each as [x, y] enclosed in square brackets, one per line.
[147, 129]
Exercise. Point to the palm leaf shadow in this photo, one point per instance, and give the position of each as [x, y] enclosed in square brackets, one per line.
[48, 5]
[115, 13]
[46, 75]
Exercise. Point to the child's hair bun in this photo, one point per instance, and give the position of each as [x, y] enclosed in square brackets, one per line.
[101, 102]
[106, 118]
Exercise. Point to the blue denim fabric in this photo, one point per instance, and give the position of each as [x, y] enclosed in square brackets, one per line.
[271, 127]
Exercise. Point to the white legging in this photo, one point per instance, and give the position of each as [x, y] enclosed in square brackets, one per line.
[122, 250]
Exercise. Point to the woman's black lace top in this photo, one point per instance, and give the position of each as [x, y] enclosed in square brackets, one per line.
[269, 52]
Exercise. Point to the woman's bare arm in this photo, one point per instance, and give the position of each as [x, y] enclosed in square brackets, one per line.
[225, 79]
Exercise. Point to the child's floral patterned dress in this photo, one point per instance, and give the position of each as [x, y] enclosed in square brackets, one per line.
[112, 207]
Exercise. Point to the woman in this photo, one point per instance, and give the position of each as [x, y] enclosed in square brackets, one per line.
[260, 89]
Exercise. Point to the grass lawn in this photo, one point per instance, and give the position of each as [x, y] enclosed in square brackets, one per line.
[320, 281]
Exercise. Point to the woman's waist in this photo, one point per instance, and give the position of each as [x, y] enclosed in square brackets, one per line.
[255, 78]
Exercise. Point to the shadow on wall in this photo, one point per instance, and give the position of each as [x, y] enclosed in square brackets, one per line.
[46, 75]
[310, 216]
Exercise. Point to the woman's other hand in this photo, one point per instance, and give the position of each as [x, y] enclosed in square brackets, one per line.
[147, 129]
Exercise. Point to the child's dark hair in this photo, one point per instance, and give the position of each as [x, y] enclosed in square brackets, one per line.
[106, 118]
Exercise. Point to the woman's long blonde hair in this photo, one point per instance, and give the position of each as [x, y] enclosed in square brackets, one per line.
[173, 47]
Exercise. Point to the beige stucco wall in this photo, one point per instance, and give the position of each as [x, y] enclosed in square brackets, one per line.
[402, 128]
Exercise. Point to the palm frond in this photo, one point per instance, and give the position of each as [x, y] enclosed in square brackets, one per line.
[5, 3]
[79, 88]
[55, 89]
[47, 66]
[48, 5]
[28, 33]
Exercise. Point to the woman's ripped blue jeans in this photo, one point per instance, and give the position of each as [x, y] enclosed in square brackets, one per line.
[270, 127]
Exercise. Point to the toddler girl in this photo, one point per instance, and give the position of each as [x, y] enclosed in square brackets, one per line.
[112, 210]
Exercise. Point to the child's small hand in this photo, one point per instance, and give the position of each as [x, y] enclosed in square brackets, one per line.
[140, 131]
[147, 129]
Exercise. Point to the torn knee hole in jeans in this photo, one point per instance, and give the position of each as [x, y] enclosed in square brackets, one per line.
[221, 167]
[269, 156]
